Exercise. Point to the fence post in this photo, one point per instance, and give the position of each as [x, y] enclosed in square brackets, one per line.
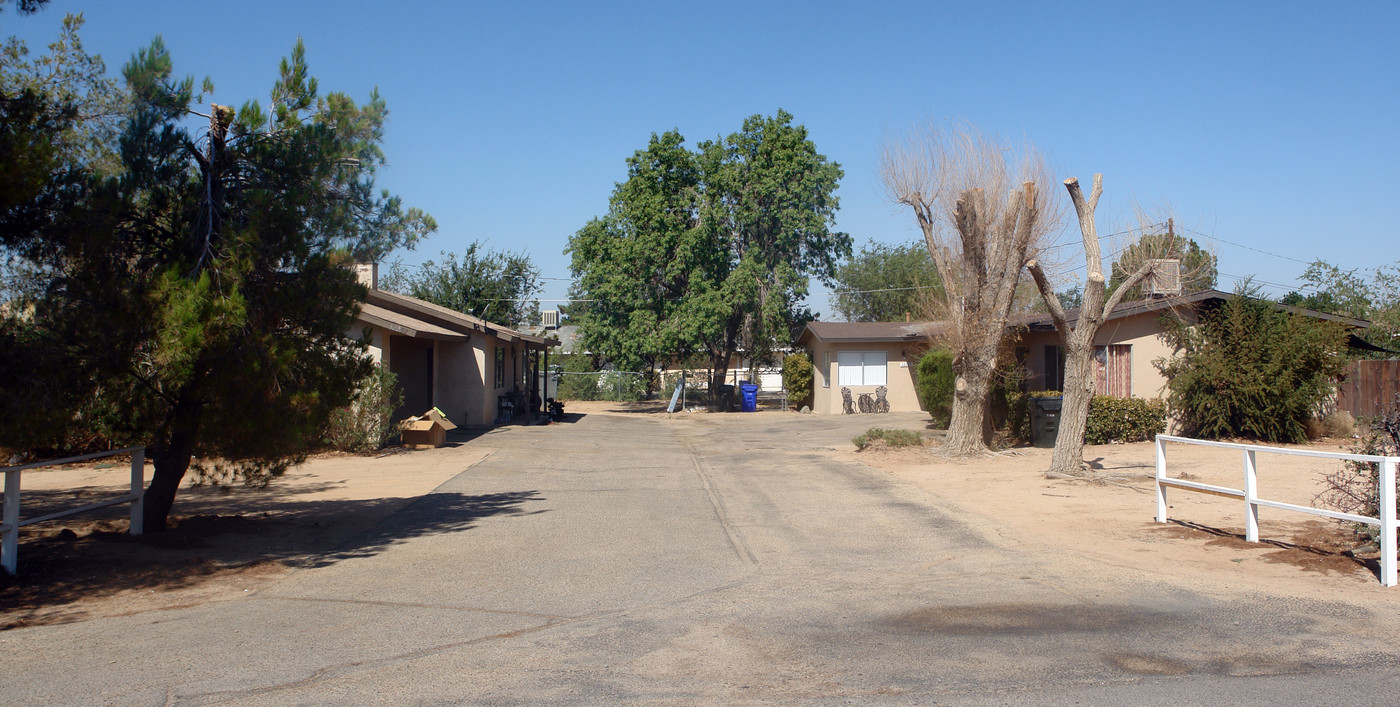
[9, 546]
[1387, 517]
[1161, 474]
[1251, 494]
[138, 488]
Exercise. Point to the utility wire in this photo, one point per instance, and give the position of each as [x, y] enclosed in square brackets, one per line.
[1241, 245]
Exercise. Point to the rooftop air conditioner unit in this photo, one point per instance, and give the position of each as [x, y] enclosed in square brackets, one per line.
[1165, 279]
[550, 318]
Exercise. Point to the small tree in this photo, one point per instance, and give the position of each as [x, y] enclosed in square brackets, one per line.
[1250, 369]
[982, 214]
[798, 375]
[935, 385]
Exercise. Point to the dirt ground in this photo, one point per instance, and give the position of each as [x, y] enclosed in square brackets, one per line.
[224, 543]
[1110, 527]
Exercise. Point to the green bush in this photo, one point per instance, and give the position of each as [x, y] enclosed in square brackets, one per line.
[798, 374]
[1124, 419]
[1248, 369]
[366, 423]
[1110, 419]
[892, 438]
[934, 385]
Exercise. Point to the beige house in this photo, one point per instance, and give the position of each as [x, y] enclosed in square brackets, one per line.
[472, 370]
[862, 356]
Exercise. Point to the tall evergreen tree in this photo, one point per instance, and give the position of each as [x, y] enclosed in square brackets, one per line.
[196, 301]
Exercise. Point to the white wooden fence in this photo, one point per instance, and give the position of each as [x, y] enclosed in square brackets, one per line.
[10, 522]
[1250, 492]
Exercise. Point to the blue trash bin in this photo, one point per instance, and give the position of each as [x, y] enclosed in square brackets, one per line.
[750, 392]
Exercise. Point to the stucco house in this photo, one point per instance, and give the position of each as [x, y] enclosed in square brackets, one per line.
[464, 366]
[862, 356]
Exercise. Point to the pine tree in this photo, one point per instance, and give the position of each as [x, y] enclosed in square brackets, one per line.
[197, 302]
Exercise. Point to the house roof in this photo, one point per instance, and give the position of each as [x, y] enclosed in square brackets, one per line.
[404, 324]
[1043, 322]
[867, 331]
[427, 320]
[918, 331]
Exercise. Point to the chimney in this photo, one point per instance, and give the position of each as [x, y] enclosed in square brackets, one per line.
[367, 274]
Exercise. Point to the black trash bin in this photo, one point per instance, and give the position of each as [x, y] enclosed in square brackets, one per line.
[1045, 420]
[726, 398]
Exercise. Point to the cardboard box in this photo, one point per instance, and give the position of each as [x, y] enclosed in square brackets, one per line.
[426, 431]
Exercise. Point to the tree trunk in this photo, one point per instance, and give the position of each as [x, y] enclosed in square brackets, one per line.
[1078, 339]
[171, 456]
[1074, 410]
[719, 370]
[967, 431]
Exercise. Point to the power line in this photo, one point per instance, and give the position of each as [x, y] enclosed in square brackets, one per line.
[1241, 245]
[888, 289]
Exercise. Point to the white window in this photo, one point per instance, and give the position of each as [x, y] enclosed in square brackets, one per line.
[860, 367]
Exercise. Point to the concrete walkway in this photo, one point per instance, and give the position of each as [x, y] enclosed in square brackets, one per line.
[702, 559]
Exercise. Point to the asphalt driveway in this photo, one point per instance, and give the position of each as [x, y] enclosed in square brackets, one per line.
[700, 559]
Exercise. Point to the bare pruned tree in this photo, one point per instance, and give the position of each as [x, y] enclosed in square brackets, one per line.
[984, 209]
[1078, 334]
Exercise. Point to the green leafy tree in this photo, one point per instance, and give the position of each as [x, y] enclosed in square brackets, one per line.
[1198, 270]
[197, 301]
[493, 285]
[708, 250]
[1352, 293]
[1250, 369]
[886, 283]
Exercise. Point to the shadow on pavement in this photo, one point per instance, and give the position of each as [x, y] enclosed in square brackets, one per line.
[224, 537]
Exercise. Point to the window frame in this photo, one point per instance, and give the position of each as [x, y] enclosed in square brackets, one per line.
[865, 368]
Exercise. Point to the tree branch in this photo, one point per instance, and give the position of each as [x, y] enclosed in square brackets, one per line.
[1052, 301]
[1142, 272]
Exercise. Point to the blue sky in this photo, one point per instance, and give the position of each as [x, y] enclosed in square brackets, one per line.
[1268, 125]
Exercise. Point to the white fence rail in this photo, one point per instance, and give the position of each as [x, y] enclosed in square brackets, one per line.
[1250, 492]
[10, 522]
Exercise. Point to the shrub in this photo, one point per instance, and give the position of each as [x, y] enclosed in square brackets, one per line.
[1339, 424]
[1248, 369]
[1124, 419]
[934, 385]
[366, 423]
[891, 438]
[798, 374]
[1354, 489]
[1110, 419]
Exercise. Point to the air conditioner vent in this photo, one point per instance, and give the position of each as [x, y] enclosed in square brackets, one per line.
[1165, 280]
[550, 318]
